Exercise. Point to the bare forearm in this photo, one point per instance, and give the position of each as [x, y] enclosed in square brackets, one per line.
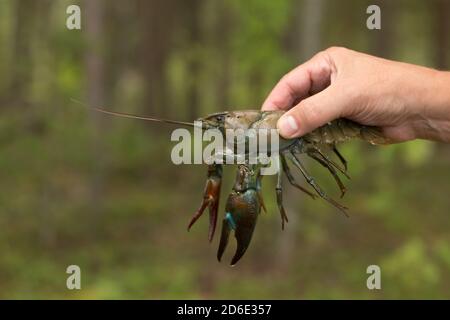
[433, 103]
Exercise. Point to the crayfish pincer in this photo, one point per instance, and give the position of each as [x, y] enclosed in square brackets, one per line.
[242, 210]
[211, 197]
[245, 202]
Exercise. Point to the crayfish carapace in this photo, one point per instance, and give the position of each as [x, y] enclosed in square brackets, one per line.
[245, 201]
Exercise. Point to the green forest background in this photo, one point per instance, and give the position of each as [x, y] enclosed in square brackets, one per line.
[82, 188]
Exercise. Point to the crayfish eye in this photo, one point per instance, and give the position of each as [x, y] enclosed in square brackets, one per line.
[220, 118]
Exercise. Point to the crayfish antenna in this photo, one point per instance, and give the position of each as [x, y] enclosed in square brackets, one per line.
[133, 116]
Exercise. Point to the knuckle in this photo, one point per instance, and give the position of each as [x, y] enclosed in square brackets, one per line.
[338, 55]
[285, 80]
[286, 83]
[323, 68]
[336, 50]
[321, 55]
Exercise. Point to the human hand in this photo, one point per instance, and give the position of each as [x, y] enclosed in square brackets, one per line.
[406, 101]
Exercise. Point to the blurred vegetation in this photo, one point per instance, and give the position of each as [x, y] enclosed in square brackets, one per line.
[100, 192]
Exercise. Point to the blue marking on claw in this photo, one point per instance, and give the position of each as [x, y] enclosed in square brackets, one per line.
[230, 220]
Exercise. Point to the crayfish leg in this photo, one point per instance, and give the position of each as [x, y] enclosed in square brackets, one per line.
[261, 200]
[287, 172]
[279, 191]
[341, 157]
[333, 172]
[319, 153]
[316, 187]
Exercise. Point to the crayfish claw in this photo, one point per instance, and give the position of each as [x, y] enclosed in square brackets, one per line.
[243, 238]
[225, 235]
[211, 196]
[198, 213]
[212, 219]
[242, 232]
[242, 210]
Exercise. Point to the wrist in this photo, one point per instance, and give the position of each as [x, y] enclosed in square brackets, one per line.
[432, 105]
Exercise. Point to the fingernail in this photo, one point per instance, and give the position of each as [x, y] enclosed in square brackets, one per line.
[288, 126]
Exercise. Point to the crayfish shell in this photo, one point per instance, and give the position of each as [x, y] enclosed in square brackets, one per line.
[341, 130]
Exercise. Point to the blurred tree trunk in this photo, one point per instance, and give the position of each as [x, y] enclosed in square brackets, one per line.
[95, 91]
[94, 53]
[222, 39]
[22, 64]
[194, 40]
[308, 18]
[382, 45]
[311, 28]
[119, 24]
[442, 32]
[156, 18]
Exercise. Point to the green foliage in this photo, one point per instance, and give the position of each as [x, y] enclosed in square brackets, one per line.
[100, 192]
[412, 268]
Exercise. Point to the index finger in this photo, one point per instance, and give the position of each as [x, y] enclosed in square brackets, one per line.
[306, 79]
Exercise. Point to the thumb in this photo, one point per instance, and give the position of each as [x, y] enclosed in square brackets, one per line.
[313, 112]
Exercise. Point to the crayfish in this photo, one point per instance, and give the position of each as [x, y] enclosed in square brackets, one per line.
[245, 202]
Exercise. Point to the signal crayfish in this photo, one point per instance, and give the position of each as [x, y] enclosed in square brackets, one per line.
[245, 201]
